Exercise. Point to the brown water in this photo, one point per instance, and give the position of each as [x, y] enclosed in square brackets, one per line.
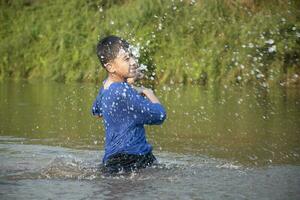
[217, 143]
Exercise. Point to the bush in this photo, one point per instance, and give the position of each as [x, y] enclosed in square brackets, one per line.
[209, 41]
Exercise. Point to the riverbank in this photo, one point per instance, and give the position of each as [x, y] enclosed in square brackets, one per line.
[202, 42]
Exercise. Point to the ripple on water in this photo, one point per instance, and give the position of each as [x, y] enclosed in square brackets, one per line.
[46, 162]
[178, 175]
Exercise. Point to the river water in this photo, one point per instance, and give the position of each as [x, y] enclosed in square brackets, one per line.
[216, 143]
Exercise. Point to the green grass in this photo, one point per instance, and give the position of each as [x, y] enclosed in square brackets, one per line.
[207, 42]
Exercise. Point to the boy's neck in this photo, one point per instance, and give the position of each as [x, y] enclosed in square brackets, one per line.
[113, 78]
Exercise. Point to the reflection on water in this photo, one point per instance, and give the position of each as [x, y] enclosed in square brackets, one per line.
[217, 143]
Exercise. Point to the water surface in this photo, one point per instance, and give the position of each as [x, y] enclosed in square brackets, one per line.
[217, 143]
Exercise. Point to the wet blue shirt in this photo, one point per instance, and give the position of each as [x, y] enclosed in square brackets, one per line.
[124, 113]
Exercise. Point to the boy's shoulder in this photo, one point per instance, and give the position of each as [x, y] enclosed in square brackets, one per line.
[120, 88]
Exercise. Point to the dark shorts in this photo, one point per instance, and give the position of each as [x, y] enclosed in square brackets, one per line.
[128, 162]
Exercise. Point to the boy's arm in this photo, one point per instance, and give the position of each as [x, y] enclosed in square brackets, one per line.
[150, 95]
[147, 92]
[146, 110]
[96, 109]
[142, 90]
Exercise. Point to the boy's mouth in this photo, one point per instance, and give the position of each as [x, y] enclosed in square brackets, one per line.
[133, 70]
[136, 71]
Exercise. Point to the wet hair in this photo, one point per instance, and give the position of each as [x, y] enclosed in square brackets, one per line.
[109, 47]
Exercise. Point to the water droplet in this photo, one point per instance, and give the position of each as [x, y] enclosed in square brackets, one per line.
[272, 49]
[270, 41]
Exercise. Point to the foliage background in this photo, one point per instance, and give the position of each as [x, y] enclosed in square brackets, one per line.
[182, 41]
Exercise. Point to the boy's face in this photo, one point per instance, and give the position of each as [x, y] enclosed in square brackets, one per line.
[125, 65]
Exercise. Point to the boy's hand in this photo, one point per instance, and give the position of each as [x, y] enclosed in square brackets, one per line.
[148, 93]
[143, 90]
[139, 89]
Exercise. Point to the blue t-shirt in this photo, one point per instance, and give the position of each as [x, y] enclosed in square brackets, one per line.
[124, 113]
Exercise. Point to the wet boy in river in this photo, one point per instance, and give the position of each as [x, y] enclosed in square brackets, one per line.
[125, 109]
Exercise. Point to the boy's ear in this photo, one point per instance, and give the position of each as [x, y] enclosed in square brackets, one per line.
[109, 67]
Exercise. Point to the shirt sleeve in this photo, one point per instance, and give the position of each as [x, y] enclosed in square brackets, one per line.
[143, 110]
[96, 108]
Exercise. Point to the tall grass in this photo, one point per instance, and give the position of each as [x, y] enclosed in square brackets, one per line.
[204, 41]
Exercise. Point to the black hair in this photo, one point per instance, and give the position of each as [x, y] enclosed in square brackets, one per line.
[109, 47]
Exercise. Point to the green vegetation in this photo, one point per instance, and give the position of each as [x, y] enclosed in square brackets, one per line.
[201, 41]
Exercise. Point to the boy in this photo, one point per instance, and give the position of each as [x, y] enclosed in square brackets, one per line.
[124, 109]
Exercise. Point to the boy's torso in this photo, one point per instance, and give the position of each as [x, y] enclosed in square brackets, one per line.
[122, 134]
